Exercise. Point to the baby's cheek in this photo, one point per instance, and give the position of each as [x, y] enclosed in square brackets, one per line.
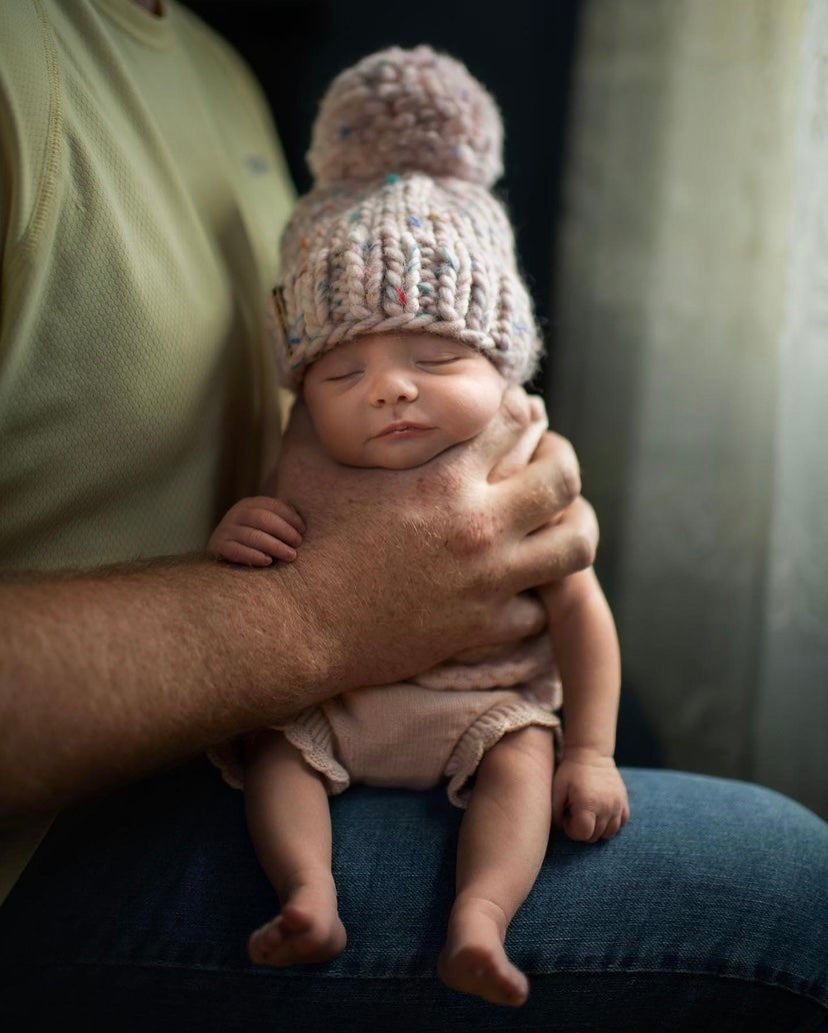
[335, 433]
[473, 408]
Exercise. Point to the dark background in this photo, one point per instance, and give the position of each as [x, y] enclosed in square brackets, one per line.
[522, 51]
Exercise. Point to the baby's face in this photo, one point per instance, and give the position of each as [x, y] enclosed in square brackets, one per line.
[397, 400]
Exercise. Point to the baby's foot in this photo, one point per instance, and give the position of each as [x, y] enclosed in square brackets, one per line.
[474, 961]
[307, 930]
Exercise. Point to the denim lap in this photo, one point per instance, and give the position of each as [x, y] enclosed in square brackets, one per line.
[713, 901]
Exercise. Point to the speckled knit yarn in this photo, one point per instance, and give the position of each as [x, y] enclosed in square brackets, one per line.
[400, 230]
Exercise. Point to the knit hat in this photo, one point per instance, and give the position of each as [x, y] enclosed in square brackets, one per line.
[400, 230]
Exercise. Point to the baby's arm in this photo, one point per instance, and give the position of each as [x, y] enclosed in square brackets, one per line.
[589, 799]
[257, 531]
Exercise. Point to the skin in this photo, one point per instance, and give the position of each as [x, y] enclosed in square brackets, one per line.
[384, 401]
[108, 674]
[397, 402]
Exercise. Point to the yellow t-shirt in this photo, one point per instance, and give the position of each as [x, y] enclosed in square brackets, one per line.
[142, 196]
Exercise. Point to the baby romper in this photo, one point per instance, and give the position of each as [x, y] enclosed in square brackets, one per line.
[415, 734]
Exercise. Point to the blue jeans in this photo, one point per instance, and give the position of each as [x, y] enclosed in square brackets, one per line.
[708, 912]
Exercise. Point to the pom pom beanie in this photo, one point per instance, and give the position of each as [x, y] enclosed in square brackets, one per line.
[400, 230]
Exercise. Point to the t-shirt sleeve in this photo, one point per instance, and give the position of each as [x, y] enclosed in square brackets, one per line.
[29, 117]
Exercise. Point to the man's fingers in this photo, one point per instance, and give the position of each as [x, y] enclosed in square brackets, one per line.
[556, 551]
[503, 432]
[516, 458]
[534, 496]
[536, 408]
[520, 617]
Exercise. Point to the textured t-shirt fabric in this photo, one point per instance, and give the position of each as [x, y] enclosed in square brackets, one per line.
[142, 197]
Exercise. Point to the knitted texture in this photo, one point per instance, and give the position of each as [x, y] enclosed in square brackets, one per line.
[416, 733]
[400, 231]
[421, 110]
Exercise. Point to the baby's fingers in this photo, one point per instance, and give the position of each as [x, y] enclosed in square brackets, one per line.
[612, 826]
[271, 524]
[272, 515]
[580, 825]
[257, 540]
[235, 552]
[288, 514]
[618, 817]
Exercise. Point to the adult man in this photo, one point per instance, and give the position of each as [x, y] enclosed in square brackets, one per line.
[136, 402]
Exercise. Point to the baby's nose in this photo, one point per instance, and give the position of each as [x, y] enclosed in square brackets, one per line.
[393, 390]
[388, 397]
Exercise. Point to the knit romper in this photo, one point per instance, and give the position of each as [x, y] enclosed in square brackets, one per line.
[417, 733]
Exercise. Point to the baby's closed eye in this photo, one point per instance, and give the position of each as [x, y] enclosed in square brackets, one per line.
[344, 375]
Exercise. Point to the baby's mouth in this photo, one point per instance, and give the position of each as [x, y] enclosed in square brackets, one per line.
[403, 428]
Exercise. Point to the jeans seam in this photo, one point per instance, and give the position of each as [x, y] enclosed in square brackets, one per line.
[263, 972]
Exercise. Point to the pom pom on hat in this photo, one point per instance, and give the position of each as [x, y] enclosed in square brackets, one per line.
[407, 110]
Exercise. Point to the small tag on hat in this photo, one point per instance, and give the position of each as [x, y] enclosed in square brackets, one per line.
[279, 306]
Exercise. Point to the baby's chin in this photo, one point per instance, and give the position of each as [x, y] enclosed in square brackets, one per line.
[393, 454]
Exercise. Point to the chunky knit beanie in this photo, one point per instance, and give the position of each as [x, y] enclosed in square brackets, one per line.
[400, 230]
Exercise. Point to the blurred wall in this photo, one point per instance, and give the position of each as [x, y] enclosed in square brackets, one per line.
[691, 369]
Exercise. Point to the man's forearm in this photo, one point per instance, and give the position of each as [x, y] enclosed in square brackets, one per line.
[107, 675]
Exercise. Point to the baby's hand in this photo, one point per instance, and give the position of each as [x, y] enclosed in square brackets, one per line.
[257, 531]
[589, 798]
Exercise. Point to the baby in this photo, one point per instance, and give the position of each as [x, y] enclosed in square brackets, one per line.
[404, 323]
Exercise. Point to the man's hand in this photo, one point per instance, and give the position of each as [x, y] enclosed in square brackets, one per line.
[107, 674]
[401, 569]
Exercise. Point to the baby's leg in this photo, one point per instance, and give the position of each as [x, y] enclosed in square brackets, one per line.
[290, 825]
[503, 840]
